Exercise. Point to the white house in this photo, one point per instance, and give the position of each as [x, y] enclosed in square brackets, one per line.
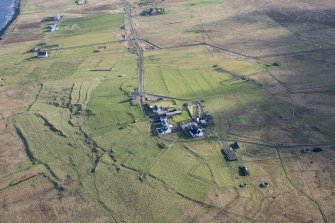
[166, 126]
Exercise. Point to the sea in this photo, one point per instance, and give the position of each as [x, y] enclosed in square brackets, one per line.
[6, 12]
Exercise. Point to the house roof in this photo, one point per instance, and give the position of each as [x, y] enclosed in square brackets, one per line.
[187, 125]
[195, 131]
[42, 53]
[229, 154]
[244, 171]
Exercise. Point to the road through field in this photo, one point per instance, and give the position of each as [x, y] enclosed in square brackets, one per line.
[127, 8]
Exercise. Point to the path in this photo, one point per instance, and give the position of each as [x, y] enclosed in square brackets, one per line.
[127, 8]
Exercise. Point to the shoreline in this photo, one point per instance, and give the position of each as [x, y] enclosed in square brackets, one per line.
[17, 11]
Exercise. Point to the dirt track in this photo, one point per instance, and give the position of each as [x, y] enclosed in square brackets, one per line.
[138, 46]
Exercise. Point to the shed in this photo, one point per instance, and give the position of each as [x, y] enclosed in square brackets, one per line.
[53, 27]
[244, 171]
[171, 114]
[161, 113]
[42, 54]
[57, 17]
[234, 145]
[152, 11]
[229, 154]
[187, 125]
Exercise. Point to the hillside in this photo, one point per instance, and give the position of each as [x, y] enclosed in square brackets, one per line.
[148, 111]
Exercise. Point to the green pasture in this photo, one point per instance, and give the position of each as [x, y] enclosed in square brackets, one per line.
[83, 124]
[174, 168]
[189, 73]
[70, 155]
[77, 47]
[91, 24]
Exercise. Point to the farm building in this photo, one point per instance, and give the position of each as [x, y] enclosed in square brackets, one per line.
[151, 98]
[244, 171]
[174, 113]
[165, 128]
[162, 112]
[81, 2]
[58, 17]
[203, 123]
[195, 131]
[234, 145]
[164, 108]
[192, 129]
[42, 54]
[229, 154]
[53, 27]
[187, 125]
[153, 11]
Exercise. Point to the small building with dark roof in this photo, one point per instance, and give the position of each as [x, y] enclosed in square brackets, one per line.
[195, 131]
[42, 54]
[186, 125]
[234, 145]
[229, 154]
[244, 171]
[165, 126]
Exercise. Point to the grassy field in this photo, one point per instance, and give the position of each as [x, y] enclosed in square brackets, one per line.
[88, 147]
[91, 154]
[189, 72]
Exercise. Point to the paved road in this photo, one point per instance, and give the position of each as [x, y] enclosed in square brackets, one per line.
[127, 8]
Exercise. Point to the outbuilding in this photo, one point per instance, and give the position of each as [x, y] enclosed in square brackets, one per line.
[42, 54]
[244, 171]
[229, 154]
[53, 27]
[58, 17]
[195, 131]
[165, 128]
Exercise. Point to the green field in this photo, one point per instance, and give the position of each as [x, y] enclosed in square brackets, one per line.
[106, 145]
[87, 137]
[83, 126]
[189, 73]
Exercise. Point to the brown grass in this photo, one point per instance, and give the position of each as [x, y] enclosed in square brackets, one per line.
[36, 200]
[12, 154]
[298, 183]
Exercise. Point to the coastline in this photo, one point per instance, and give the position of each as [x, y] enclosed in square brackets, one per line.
[17, 10]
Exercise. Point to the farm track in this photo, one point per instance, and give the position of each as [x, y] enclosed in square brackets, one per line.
[127, 8]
